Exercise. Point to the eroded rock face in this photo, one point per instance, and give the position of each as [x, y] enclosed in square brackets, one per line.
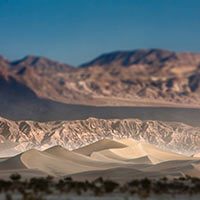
[24, 135]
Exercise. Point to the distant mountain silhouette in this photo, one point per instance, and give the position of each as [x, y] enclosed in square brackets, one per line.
[155, 57]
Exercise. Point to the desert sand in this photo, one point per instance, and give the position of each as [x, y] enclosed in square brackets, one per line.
[120, 160]
[197, 155]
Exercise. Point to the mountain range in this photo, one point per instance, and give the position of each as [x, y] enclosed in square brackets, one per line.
[118, 78]
[19, 136]
[39, 88]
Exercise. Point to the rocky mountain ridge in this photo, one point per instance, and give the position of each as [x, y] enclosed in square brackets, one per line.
[153, 57]
[17, 136]
[151, 76]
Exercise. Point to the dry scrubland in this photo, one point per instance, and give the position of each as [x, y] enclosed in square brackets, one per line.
[48, 188]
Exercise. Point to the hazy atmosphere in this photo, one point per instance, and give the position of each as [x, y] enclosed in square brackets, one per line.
[76, 31]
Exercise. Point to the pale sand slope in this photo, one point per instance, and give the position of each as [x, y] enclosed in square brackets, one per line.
[137, 149]
[124, 174]
[120, 160]
[194, 172]
[45, 162]
[196, 155]
[100, 145]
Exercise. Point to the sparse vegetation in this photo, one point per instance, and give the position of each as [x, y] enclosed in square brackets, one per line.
[39, 188]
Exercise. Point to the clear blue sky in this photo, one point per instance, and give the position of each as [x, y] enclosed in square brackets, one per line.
[75, 31]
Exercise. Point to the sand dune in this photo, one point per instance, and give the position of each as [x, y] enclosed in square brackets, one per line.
[62, 163]
[196, 155]
[45, 162]
[88, 161]
[172, 166]
[99, 146]
[141, 160]
[129, 141]
[14, 163]
[137, 149]
[123, 174]
[194, 172]
[119, 160]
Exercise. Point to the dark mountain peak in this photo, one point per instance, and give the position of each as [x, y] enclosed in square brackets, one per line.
[127, 58]
[34, 60]
[27, 60]
[4, 64]
[41, 64]
[3, 59]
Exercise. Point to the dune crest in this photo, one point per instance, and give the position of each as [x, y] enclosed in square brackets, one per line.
[196, 155]
[99, 146]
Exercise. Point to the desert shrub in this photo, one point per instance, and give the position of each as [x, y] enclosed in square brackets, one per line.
[15, 177]
[40, 184]
[8, 196]
[109, 186]
[134, 183]
[145, 183]
[36, 188]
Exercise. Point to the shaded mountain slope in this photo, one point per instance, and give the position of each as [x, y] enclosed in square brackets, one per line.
[19, 102]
